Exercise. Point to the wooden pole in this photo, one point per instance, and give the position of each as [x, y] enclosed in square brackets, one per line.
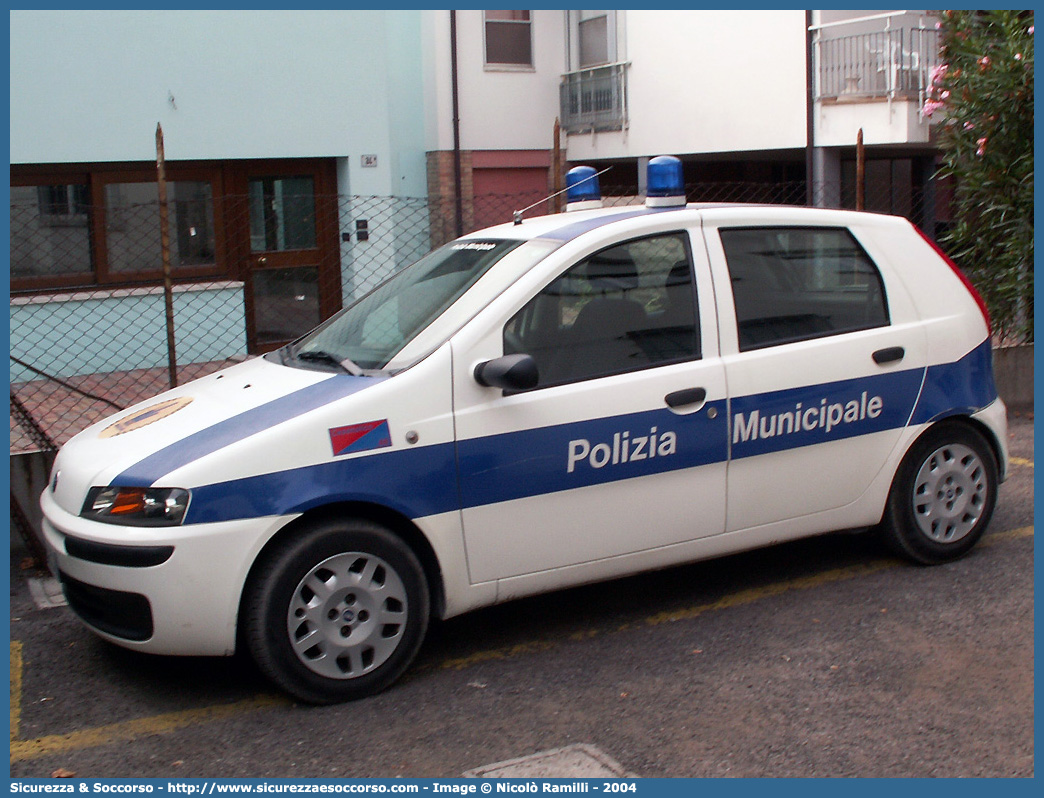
[168, 286]
[556, 168]
[860, 172]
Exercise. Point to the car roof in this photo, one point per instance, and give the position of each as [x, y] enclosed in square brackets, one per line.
[571, 224]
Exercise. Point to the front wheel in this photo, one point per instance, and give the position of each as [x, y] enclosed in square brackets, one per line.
[943, 495]
[337, 611]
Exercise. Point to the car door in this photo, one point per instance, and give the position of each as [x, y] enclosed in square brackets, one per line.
[621, 447]
[824, 363]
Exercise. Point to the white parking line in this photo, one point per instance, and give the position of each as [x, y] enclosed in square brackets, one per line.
[579, 761]
[46, 592]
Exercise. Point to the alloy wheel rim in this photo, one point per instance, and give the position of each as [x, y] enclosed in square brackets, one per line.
[347, 615]
[950, 493]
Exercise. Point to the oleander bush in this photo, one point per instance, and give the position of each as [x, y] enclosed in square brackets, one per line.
[982, 93]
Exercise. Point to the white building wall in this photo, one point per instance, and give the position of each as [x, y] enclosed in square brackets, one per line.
[404, 93]
[882, 122]
[90, 86]
[438, 81]
[500, 109]
[708, 82]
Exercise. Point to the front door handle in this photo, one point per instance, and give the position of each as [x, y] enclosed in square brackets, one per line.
[687, 396]
[889, 355]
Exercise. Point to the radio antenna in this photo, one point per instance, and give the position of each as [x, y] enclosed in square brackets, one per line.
[518, 214]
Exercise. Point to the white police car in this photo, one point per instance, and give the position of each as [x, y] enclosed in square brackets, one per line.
[537, 405]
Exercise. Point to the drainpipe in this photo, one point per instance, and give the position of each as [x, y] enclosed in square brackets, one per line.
[457, 175]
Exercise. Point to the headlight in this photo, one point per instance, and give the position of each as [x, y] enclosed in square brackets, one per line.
[136, 506]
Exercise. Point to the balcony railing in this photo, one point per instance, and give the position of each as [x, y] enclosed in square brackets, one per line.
[594, 99]
[891, 63]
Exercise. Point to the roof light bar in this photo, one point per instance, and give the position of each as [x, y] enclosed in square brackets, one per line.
[666, 182]
[582, 189]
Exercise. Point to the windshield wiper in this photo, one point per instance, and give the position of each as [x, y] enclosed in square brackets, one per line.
[320, 356]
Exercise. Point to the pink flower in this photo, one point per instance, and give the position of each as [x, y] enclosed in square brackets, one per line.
[1030, 31]
[938, 73]
[930, 107]
[1018, 56]
[984, 61]
[982, 146]
[945, 95]
[969, 126]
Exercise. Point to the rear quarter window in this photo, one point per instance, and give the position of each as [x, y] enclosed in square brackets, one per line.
[792, 284]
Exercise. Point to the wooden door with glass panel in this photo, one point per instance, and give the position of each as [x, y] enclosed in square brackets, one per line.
[286, 234]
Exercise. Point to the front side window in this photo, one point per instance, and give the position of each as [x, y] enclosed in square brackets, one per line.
[792, 284]
[628, 307]
[509, 38]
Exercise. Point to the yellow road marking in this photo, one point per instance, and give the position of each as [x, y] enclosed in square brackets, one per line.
[22, 750]
[507, 652]
[1022, 461]
[1011, 534]
[753, 594]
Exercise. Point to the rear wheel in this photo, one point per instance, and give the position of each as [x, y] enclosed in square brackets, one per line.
[943, 495]
[337, 612]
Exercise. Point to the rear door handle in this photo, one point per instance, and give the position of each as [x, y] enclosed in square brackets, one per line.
[889, 355]
[687, 396]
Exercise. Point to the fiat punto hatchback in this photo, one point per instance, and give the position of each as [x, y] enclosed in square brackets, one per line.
[550, 402]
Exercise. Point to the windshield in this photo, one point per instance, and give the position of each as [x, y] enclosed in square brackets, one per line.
[368, 335]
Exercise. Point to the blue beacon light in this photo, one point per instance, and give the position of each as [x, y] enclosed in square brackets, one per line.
[582, 189]
[666, 182]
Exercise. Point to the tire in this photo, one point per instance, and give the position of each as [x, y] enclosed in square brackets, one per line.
[943, 495]
[337, 611]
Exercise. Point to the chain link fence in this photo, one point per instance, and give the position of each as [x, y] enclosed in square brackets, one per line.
[89, 313]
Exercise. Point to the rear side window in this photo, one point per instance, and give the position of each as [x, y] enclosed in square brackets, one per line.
[792, 284]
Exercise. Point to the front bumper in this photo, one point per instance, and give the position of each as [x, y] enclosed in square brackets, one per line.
[163, 590]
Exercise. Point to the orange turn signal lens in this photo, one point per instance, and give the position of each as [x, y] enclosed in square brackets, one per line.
[136, 506]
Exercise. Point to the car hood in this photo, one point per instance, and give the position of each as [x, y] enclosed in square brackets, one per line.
[143, 444]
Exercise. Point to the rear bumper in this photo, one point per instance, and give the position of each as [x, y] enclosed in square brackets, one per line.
[995, 419]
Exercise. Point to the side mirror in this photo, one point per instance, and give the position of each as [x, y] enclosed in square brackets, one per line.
[511, 372]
